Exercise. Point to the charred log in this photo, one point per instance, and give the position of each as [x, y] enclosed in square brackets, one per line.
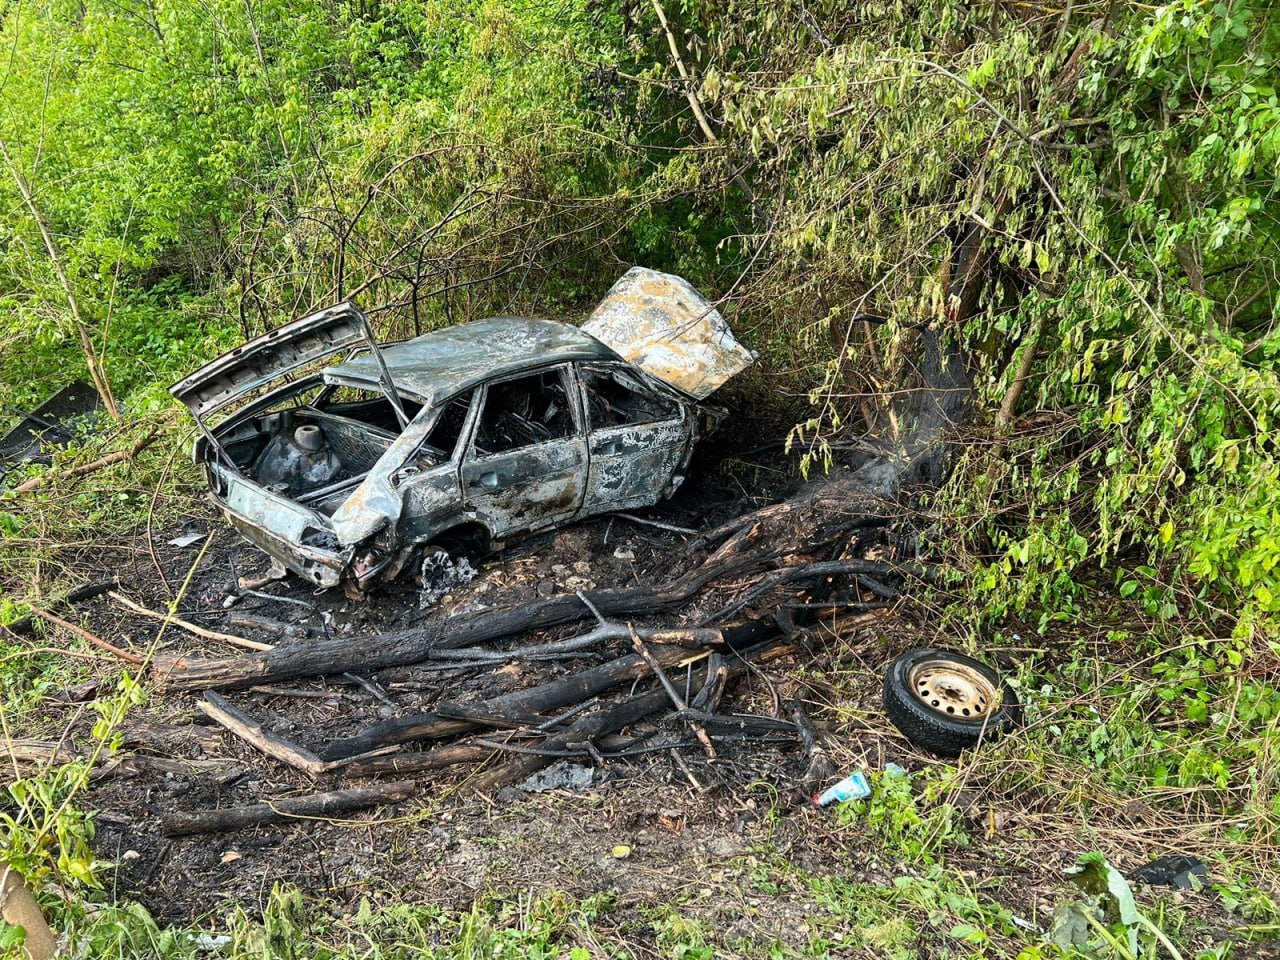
[311, 806]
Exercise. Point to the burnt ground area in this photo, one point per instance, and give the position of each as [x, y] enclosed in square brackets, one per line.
[735, 841]
[450, 845]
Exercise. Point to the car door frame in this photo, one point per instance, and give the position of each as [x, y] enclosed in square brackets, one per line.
[618, 470]
[507, 512]
[427, 522]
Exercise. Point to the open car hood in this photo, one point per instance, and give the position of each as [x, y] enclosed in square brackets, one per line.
[257, 363]
[661, 324]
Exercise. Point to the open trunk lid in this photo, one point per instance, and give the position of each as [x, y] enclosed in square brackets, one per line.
[663, 325]
[257, 363]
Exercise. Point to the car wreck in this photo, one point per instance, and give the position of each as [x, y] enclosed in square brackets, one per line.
[345, 469]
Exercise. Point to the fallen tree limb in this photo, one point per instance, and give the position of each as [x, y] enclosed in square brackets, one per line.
[817, 517]
[522, 706]
[677, 700]
[421, 761]
[24, 625]
[23, 750]
[223, 713]
[118, 456]
[187, 625]
[831, 568]
[88, 637]
[480, 716]
[658, 524]
[708, 698]
[611, 718]
[314, 806]
[287, 661]
[170, 737]
[689, 637]
[276, 627]
[607, 719]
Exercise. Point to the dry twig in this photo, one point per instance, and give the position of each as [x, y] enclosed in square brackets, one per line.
[186, 625]
[88, 637]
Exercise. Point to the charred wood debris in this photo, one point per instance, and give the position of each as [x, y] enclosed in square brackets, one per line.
[783, 581]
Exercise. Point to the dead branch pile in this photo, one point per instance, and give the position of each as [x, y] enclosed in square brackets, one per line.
[767, 584]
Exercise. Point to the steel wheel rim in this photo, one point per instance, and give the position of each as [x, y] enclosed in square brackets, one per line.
[954, 690]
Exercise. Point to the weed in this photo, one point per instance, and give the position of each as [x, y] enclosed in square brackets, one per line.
[915, 824]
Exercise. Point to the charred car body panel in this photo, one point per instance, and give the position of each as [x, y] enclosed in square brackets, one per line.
[494, 429]
[662, 325]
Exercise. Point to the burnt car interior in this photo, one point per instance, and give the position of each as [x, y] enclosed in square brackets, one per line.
[615, 398]
[319, 447]
[524, 411]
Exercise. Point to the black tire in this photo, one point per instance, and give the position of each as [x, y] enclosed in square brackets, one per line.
[946, 702]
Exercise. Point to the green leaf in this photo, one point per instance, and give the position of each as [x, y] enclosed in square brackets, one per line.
[1098, 878]
[968, 933]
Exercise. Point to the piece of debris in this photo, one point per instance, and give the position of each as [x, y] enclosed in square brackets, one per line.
[560, 776]
[946, 702]
[852, 787]
[50, 425]
[209, 942]
[328, 803]
[441, 573]
[183, 542]
[465, 436]
[19, 908]
[620, 852]
[1174, 870]
[80, 693]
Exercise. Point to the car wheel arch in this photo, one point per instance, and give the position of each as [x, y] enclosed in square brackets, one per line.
[470, 535]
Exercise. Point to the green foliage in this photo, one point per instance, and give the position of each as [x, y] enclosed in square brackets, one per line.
[234, 163]
[293, 925]
[937, 906]
[909, 816]
[208, 172]
[1123, 177]
[1162, 353]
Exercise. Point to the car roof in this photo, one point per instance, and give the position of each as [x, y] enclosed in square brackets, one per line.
[443, 362]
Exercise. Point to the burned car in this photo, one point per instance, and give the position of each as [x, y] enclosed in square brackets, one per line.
[466, 436]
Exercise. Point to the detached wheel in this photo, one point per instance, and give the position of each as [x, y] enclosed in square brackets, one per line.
[947, 702]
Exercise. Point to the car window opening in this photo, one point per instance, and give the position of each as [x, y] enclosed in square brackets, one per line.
[321, 444]
[524, 411]
[615, 399]
[443, 439]
[367, 406]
